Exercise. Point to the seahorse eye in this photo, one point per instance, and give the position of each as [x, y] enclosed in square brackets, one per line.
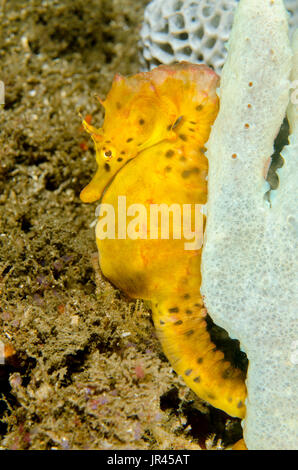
[108, 154]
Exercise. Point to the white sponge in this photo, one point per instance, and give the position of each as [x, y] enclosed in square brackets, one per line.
[191, 30]
[250, 258]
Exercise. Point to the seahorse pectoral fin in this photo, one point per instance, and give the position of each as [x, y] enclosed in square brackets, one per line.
[187, 344]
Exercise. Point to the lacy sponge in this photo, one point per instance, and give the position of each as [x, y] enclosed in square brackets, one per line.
[192, 30]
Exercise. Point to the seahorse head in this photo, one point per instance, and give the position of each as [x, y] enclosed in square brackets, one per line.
[143, 110]
[135, 119]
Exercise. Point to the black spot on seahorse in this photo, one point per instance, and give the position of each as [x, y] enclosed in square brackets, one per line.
[189, 332]
[169, 153]
[187, 173]
[174, 310]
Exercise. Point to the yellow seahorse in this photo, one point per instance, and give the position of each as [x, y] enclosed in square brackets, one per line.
[151, 150]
